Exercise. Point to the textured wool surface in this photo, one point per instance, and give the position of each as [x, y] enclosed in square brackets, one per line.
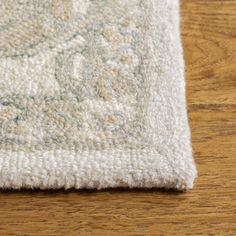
[92, 95]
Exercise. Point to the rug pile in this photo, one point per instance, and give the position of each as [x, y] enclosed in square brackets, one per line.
[92, 95]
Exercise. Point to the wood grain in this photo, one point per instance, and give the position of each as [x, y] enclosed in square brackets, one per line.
[209, 39]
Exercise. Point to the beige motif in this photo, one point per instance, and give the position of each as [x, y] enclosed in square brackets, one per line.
[72, 75]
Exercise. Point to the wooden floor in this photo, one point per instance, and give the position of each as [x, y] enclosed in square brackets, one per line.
[209, 38]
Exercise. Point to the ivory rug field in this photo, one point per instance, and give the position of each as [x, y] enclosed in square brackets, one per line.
[92, 95]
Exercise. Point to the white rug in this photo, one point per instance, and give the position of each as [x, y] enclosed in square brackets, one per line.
[92, 95]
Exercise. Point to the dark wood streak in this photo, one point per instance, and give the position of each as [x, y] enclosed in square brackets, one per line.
[209, 30]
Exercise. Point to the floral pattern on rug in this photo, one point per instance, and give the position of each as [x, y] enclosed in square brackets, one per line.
[71, 74]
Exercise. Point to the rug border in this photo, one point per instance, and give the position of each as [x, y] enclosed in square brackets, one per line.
[94, 170]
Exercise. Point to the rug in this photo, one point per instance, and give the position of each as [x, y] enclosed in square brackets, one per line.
[92, 95]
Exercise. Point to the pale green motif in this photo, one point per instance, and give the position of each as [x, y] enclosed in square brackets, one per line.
[71, 74]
